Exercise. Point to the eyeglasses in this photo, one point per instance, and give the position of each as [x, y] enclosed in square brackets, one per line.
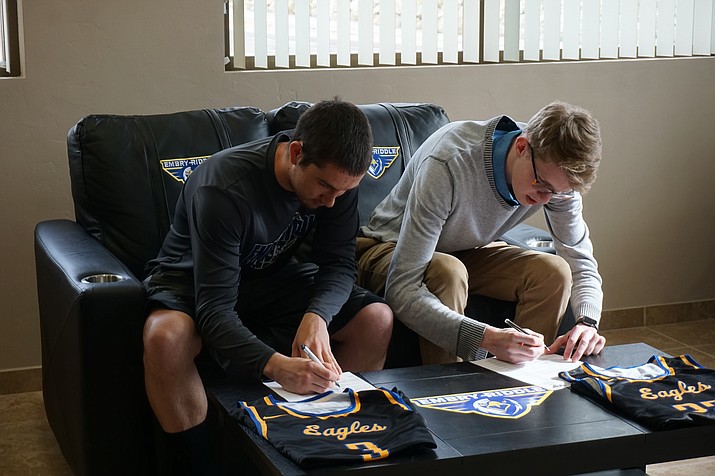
[537, 184]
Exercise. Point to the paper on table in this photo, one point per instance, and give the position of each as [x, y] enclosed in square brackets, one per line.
[347, 380]
[543, 372]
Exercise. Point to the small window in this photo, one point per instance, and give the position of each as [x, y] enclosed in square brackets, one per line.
[9, 39]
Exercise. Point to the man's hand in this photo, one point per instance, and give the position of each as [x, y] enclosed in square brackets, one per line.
[313, 332]
[579, 341]
[513, 346]
[299, 375]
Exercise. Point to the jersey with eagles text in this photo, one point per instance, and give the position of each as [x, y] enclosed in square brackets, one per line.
[663, 393]
[338, 427]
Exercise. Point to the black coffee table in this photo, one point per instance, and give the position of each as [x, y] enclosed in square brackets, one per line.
[564, 434]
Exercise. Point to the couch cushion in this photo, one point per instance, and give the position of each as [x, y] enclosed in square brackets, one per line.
[127, 171]
[398, 129]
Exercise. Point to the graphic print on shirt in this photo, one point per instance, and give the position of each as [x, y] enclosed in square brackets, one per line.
[265, 254]
[504, 403]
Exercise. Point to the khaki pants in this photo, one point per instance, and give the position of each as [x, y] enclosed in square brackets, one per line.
[540, 283]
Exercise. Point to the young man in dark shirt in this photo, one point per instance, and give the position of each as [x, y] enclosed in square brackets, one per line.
[227, 278]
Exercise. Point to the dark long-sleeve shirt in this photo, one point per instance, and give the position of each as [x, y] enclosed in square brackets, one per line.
[234, 221]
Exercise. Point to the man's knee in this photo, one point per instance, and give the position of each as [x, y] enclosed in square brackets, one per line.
[168, 334]
[376, 320]
[555, 270]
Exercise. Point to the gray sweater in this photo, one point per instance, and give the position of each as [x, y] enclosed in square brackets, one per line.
[447, 201]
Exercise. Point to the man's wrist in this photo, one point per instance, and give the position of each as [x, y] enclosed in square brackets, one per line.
[272, 364]
[587, 321]
[315, 316]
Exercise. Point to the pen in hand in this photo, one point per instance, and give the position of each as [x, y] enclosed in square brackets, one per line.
[514, 325]
[313, 357]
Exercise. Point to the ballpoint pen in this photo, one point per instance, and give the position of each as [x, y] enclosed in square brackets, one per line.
[514, 325]
[313, 357]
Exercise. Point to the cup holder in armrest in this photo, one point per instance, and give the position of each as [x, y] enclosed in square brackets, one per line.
[102, 278]
[539, 243]
[530, 237]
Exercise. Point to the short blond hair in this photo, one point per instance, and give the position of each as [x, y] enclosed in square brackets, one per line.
[570, 137]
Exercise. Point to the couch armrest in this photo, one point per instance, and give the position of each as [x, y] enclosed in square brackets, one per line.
[92, 353]
[530, 237]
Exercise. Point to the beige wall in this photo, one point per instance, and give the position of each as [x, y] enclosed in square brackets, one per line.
[650, 212]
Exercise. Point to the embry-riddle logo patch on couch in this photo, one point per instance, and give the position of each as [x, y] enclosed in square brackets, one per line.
[382, 158]
[180, 169]
[512, 402]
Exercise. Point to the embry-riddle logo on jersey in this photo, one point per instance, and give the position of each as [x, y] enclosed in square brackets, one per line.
[382, 158]
[180, 169]
[504, 403]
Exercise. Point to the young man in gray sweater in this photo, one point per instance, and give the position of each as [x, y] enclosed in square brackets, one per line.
[432, 241]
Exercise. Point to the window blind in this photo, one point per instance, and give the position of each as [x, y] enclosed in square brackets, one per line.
[345, 33]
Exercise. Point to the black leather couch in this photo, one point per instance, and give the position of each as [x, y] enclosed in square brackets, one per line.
[126, 174]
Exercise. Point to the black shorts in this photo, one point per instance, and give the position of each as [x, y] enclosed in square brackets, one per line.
[271, 307]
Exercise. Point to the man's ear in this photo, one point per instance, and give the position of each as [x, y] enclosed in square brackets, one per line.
[521, 144]
[295, 151]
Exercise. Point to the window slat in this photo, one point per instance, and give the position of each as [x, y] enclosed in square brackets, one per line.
[590, 29]
[664, 28]
[3, 48]
[260, 34]
[702, 28]
[684, 27]
[408, 54]
[387, 32]
[552, 30]
[282, 36]
[628, 29]
[610, 13]
[512, 19]
[429, 31]
[470, 29]
[492, 20]
[572, 31]
[344, 36]
[532, 25]
[450, 27]
[302, 34]
[239, 34]
[323, 33]
[646, 28]
[365, 33]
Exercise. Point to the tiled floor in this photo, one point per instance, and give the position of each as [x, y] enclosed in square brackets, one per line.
[27, 446]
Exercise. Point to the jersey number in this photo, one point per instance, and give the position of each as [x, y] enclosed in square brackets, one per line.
[369, 450]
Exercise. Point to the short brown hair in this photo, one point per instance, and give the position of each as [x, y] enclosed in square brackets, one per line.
[338, 132]
[570, 137]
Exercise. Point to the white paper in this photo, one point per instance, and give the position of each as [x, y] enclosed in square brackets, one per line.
[543, 372]
[347, 380]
